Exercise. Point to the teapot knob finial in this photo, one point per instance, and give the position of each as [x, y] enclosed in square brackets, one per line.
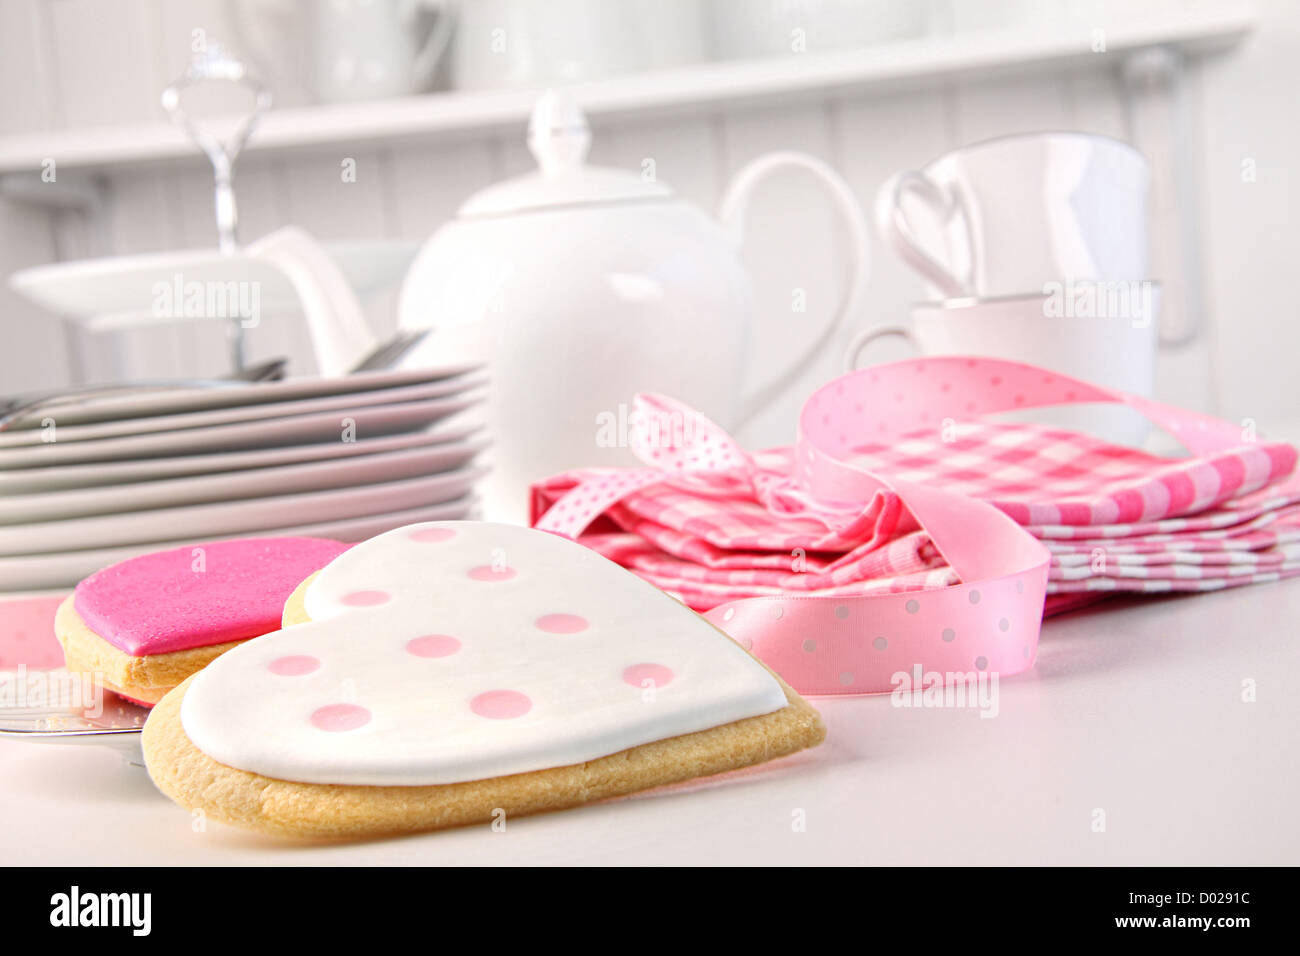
[558, 134]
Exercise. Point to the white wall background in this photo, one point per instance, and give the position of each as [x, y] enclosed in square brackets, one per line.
[66, 63]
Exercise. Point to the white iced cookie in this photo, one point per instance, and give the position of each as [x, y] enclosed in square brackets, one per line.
[450, 666]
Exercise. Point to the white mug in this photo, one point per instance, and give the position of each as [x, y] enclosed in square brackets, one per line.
[517, 44]
[375, 49]
[743, 29]
[350, 49]
[1109, 338]
[1016, 212]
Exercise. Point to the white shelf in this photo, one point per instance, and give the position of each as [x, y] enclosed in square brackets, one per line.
[713, 86]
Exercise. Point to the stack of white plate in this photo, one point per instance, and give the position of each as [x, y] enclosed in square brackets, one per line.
[88, 483]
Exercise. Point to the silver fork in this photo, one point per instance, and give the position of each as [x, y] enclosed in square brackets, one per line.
[386, 354]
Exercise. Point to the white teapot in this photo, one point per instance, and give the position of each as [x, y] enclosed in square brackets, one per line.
[580, 286]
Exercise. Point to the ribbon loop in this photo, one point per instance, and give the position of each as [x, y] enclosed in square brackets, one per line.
[679, 444]
[665, 433]
[987, 624]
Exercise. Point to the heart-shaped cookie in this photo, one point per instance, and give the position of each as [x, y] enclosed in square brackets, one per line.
[451, 669]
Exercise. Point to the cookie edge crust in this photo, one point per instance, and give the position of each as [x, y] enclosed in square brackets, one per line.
[146, 678]
[286, 808]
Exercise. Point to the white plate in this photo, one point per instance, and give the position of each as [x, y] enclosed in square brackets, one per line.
[369, 422]
[81, 410]
[63, 570]
[24, 481]
[26, 438]
[256, 483]
[118, 291]
[234, 517]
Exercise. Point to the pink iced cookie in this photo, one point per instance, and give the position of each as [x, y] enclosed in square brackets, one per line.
[199, 596]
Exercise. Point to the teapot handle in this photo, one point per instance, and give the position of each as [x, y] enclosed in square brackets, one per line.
[735, 204]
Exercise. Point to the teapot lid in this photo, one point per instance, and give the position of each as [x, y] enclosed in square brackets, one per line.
[558, 138]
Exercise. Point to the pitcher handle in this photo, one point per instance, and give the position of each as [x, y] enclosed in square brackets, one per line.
[735, 204]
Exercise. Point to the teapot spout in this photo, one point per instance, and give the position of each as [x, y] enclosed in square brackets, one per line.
[340, 335]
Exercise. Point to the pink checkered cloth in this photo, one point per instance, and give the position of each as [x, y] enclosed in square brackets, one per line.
[1116, 519]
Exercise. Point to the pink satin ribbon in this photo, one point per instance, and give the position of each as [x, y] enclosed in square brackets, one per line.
[858, 645]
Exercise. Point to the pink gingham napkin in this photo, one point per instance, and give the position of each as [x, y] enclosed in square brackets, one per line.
[1115, 518]
[898, 531]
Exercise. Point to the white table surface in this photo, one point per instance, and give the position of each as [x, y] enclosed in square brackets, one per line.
[1134, 708]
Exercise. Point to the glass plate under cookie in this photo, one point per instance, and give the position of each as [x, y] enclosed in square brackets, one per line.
[54, 706]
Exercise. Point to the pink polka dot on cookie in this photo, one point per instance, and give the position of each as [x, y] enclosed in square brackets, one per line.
[295, 665]
[501, 704]
[648, 675]
[486, 572]
[432, 535]
[562, 623]
[433, 645]
[336, 718]
[366, 598]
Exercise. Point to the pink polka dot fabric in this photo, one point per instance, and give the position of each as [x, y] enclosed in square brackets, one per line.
[888, 534]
